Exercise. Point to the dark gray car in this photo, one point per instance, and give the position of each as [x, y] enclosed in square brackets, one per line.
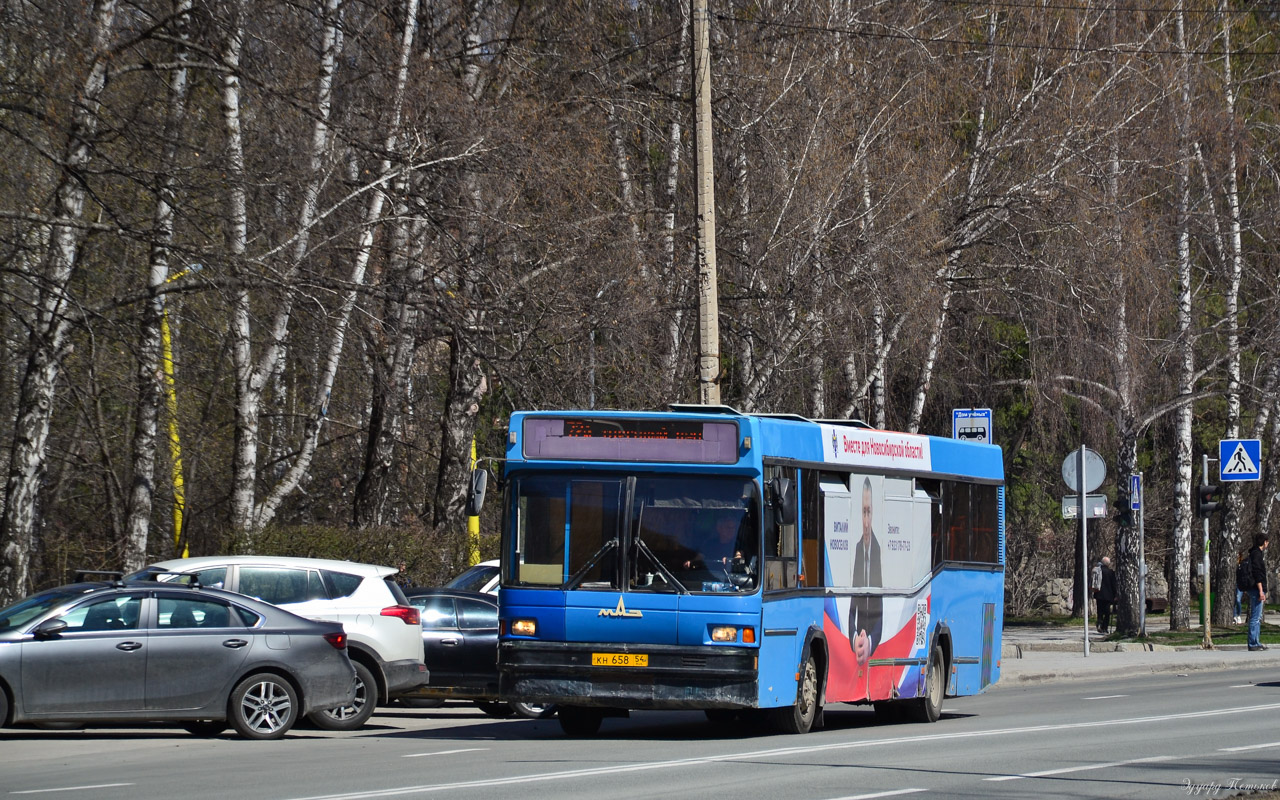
[97, 652]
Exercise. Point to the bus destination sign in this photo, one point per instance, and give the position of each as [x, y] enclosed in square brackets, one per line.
[634, 439]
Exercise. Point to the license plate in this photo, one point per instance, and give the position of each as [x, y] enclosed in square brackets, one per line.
[619, 659]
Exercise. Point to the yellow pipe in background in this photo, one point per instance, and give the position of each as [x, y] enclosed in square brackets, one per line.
[171, 405]
[473, 523]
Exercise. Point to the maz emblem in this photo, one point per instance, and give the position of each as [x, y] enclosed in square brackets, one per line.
[619, 611]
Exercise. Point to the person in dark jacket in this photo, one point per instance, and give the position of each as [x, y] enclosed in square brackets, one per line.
[1258, 592]
[1105, 595]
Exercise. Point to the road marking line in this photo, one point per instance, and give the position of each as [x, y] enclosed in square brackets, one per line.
[447, 752]
[1106, 697]
[893, 793]
[1081, 768]
[1241, 686]
[542, 777]
[1248, 747]
[73, 788]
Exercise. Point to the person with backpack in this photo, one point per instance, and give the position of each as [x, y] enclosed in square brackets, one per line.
[1257, 589]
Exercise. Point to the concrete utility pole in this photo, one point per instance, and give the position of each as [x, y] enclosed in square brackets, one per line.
[708, 300]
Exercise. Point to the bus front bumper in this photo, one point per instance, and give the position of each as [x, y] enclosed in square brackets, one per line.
[672, 677]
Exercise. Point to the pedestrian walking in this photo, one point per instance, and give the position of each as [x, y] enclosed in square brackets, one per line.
[1105, 594]
[1258, 590]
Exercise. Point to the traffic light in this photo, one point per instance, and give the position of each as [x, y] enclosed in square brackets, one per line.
[1210, 500]
[1124, 510]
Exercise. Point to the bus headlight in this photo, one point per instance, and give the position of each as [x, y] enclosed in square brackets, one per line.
[724, 633]
[524, 627]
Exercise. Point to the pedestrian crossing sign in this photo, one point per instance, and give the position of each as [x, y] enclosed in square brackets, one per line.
[1240, 459]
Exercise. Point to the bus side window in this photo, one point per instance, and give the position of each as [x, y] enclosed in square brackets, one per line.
[937, 531]
[984, 506]
[955, 507]
[812, 570]
[779, 541]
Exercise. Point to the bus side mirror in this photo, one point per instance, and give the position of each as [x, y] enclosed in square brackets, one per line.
[783, 494]
[475, 492]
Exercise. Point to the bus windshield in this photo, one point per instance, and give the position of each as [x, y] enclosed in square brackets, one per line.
[656, 533]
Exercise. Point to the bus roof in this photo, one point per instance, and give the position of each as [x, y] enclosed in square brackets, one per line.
[721, 435]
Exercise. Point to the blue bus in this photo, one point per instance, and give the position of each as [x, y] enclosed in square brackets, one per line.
[744, 564]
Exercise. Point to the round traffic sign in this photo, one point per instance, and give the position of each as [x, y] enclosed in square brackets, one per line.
[1095, 470]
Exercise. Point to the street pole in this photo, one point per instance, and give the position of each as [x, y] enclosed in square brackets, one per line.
[1142, 555]
[1206, 615]
[171, 406]
[708, 301]
[1084, 552]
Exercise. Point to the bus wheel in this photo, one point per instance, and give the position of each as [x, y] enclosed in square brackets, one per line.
[579, 721]
[495, 709]
[929, 707]
[799, 717]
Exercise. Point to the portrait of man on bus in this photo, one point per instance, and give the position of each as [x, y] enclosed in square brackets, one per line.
[866, 611]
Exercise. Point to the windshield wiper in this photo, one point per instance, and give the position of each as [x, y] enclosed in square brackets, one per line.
[591, 562]
[662, 568]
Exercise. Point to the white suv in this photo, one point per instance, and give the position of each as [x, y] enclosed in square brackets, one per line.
[384, 634]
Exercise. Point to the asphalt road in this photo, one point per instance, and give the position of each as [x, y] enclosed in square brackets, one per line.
[1154, 736]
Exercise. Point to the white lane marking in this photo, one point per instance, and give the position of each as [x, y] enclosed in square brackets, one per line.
[446, 752]
[541, 777]
[1248, 747]
[893, 793]
[1241, 686]
[73, 788]
[1080, 768]
[1106, 697]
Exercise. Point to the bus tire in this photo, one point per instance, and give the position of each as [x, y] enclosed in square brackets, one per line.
[929, 707]
[579, 721]
[799, 718]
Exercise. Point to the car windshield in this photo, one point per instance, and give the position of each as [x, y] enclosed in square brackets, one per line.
[474, 579]
[660, 533]
[23, 611]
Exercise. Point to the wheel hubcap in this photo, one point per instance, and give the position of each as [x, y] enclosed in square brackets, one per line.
[266, 707]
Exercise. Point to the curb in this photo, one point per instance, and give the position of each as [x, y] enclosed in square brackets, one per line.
[1047, 674]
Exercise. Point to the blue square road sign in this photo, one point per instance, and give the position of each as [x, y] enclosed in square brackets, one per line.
[1240, 459]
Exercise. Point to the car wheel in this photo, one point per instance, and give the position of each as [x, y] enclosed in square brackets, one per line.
[534, 710]
[578, 721]
[4, 707]
[929, 707]
[495, 710]
[799, 717]
[263, 706]
[354, 716]
[205, 727]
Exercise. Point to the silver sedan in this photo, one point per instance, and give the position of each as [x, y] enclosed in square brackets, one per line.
[204, 658]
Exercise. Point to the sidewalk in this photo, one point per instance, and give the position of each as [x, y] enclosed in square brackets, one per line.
[1041, 653]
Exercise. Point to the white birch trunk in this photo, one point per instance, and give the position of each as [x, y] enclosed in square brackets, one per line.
[369, 226]
[251, 379]
[150, 383]
[27, 458]
[1180, 577]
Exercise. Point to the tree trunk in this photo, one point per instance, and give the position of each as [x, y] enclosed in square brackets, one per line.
[47, 339]
[150, 372]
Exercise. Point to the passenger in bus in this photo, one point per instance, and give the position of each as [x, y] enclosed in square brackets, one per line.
[866, 612]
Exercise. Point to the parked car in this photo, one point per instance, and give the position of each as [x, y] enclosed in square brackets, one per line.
[460, 639]
[384, 637]
[483, 577]
[115, 651]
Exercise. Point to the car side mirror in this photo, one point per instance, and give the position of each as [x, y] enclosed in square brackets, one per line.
[783, 493]
[475, 492]
[50, 628]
